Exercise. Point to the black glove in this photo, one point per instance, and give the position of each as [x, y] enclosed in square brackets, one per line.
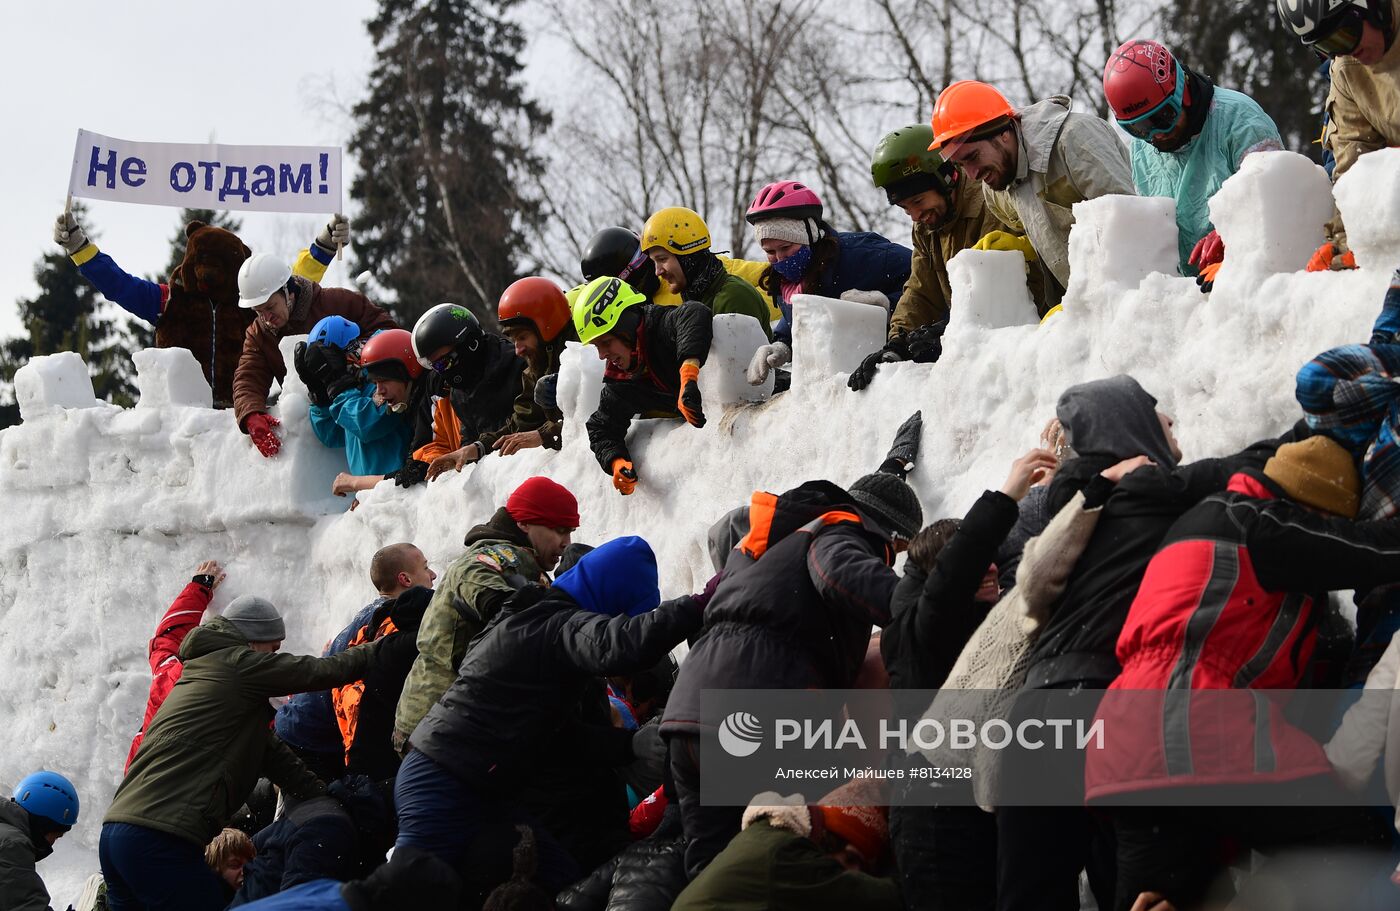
[412, 472]
[546, 392]
[862, 375]
[315, 389]
[925, 344]
[331, 367]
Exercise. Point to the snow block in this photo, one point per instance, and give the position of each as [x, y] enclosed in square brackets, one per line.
[723, 379]
[989, 290]
[1270, 215]
[304, 469]
[170, 376]
[831, 336]
[53, 381]
[1116, 242]
[1368, 196]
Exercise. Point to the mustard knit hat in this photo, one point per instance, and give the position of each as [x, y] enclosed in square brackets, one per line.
[1317, 472]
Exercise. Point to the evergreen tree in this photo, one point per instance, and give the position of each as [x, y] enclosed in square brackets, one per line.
[143, 335]
[443, 141]
[65, 316]
[1243, 45]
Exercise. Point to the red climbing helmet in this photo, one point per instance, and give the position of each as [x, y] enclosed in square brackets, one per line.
[389, 353]
[1144, 85]
[784, 199]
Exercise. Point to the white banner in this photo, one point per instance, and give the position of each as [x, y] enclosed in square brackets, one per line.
[207, 176]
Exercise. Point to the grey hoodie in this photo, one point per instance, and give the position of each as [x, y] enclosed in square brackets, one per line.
[1116, 419]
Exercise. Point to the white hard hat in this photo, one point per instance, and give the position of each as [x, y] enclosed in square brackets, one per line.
[259, 278]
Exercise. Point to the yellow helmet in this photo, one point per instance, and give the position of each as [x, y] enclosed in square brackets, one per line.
[677, 230]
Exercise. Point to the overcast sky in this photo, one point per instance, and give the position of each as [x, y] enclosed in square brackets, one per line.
[257, 72]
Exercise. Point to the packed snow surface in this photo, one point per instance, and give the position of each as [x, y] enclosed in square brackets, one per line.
[108, 510]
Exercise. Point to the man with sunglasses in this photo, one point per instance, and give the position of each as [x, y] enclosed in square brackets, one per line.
[1036, 163]
[1189, 136]
[1363, 105]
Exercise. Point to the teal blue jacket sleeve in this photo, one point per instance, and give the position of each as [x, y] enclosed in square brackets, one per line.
[355, 411]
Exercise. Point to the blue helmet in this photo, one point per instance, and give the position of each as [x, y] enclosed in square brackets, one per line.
[49, 795]
[336, 331]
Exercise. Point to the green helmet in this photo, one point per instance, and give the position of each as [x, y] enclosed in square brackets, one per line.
[601, 304]
[904, 154]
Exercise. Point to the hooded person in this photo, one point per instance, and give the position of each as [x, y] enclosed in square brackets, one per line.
[1232, 602]
[1105, 421]
[520, 544]
[793, 610]
[42, 809]
[205, 749]
[516, 695]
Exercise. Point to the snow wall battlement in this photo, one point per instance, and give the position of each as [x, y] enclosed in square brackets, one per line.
[108, 511]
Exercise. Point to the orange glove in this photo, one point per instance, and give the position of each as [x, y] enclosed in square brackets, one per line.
[1206, 278]
[689, 401]
[1326, 259]
[624, 476]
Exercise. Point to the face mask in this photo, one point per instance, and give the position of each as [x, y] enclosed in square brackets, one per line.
[793, 267]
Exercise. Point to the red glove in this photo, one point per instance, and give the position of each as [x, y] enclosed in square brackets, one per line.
[260, 429]
[624, 476]
[689, 401]
[1326, 258]
[1208, 251]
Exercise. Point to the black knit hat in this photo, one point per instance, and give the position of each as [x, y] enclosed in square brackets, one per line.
[891, 502]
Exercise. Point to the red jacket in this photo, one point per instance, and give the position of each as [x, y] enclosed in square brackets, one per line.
[1228, 605]
[182, 616]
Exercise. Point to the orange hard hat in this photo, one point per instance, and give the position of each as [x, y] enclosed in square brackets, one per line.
[964, 106]
[536, 301]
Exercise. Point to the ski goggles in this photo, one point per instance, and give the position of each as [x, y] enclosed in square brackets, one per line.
[1162, 119]
[635, 266]
[1344, 38]
[445, 363]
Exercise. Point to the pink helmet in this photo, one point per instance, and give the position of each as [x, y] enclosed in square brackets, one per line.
[784, 199]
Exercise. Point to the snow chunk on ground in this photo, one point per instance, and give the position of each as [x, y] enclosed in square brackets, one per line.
[52, 382]
[170, 376]
[1118, 241]
[1368, 196]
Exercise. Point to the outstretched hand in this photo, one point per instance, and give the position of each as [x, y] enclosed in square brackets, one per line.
[1116, 473]
[212, 570]
[455, 460]
[513, 443]
[1027, 471]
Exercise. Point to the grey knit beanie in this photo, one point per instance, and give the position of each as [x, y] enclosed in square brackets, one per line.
[891, 502]
[256, 619]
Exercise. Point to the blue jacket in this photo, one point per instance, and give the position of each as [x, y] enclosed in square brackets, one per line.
[143, 299]
[317, 895]
[1235, 127]
[866, 261]
[307, 720]
[376, 440]
[315, 841]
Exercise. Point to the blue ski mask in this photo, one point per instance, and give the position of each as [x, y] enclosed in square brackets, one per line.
[796, 264]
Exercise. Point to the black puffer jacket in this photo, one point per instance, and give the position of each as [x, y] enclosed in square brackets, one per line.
[646, 876]
[488, 405]
[372, 752]
[799, 617]
[667, 338]
[515, 703]
[1078, 642]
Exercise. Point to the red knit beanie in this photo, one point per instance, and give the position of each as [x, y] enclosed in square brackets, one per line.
[540, 501]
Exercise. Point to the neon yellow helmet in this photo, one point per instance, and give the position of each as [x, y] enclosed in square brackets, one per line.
[677, 230]
[601, 304]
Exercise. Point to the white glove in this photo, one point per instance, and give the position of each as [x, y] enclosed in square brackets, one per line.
[765, 359]
[68, 234]
[873, 298]
[335, 234]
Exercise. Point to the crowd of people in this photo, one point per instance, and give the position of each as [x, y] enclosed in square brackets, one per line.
[515, 734]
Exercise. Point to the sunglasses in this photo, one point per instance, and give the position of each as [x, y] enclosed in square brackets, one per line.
[1162, 119]
[1345, 38]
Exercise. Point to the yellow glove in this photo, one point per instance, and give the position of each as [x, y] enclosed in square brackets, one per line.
[1004, 240]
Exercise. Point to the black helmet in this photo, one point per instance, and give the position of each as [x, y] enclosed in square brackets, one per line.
[454, 325]
[1333, 27]
[611, 252]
